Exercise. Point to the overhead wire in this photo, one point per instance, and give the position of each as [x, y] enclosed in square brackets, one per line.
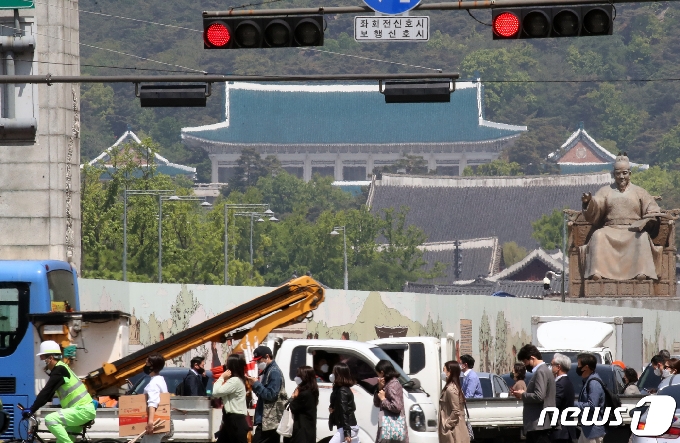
[308, 48]
[110, 50]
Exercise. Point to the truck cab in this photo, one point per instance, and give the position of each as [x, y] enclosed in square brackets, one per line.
[422, 358]
[421, 416]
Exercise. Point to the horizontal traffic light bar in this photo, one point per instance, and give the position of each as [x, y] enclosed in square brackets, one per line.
[262, 32]
[552, 21]
[446, 6]
[197, 78]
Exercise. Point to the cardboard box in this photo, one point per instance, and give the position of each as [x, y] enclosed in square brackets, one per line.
[132, 415]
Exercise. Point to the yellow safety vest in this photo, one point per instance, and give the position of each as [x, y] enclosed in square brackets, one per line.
[73, 392]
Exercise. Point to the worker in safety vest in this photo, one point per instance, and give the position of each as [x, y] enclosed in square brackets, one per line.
[77, 407]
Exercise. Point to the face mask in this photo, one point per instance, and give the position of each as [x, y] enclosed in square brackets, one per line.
[298, 380]
[579, 371]
[332, 378]
[324, 369]
[261, 366]
[200, 370]
[657, 372]
[529, 368]
[147, 369]
[666, 373]
[443, 376]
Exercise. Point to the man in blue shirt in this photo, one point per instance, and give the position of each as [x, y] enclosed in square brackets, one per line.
[471, 386]
[270, 396]
[591, 396]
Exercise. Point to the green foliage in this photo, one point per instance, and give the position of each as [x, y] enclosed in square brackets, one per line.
[548, 230]
[513, 253]
[497, 167]
[193, 239]
[251, 167]
[408, 164]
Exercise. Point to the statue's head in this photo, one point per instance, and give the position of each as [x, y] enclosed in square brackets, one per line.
[622, 170]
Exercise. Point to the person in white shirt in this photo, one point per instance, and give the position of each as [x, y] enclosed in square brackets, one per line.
[157, 386]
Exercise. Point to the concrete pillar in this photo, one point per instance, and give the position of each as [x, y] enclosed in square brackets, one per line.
[215, 169]
[338, 168]
[40, 181]
[307, 169]
[462, 165]
[431, 162]
[369, 165]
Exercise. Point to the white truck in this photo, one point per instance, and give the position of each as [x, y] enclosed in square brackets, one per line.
[195, 421]
[609, 338]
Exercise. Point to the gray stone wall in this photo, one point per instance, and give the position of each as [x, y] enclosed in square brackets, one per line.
[40, 180]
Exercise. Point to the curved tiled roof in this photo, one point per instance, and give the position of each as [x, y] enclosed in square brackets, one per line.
[480, 257]
[345, 114]
[448, 208]
[537, 254]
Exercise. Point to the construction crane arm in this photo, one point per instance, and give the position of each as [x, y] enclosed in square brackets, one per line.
[289, 303]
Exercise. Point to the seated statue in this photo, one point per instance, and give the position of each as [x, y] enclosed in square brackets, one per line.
[621, 249]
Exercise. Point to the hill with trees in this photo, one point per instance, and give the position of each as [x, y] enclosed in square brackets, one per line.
[623, 87]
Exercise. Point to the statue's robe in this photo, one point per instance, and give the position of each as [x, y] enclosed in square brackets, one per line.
[617, 250]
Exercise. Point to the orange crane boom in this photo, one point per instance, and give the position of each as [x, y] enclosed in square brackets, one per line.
[287, 304]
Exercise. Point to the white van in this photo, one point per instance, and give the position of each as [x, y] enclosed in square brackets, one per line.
[421, 416]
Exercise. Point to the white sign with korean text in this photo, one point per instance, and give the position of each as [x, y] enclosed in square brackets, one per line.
[378, 28]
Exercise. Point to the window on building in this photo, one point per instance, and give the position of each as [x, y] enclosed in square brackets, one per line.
[448, 170]
[354, 173]
[324, 171]
[225, 175]
[295, 170]
[62, 287]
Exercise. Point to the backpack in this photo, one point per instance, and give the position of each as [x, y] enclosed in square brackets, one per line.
[611, 400]
[179, 390]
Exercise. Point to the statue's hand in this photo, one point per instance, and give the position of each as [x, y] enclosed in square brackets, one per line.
[586, 197]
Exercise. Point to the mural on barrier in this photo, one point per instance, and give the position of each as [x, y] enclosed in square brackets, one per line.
[490, 329]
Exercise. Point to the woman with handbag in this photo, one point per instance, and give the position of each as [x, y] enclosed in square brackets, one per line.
[303, 406]
[452, 425]
[341, 410]
[389, 397]
[231, 388]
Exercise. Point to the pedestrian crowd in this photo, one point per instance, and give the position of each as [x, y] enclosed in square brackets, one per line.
[294, 418]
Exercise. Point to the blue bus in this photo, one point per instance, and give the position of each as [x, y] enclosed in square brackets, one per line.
[28, 287]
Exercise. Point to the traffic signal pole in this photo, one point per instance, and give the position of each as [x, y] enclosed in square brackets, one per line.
[445, 6]
[49, 79]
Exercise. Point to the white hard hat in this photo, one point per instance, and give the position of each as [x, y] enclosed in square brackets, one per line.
[49, 347]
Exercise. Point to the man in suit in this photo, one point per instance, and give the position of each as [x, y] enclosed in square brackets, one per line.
[196, 380]
[564, 397]
[471, 386]
[540, 394]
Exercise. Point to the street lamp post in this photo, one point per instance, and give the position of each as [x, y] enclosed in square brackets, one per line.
[344, 241]
[252, 215]
[126, 192]
[251, 207]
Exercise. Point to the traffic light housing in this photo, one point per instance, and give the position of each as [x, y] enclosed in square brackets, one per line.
[263, 32]
[552, 21]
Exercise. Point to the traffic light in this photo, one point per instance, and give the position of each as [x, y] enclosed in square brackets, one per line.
[552, 21]
[262, 32]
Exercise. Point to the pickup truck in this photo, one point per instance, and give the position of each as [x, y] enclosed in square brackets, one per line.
[195, 421]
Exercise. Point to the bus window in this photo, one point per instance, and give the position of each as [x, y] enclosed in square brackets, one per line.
[13, 316]
[62, 287]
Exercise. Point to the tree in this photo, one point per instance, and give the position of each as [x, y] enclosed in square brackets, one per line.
[408, 164]
[498, 167]
[251, 167]
[513, 253]
[531, 150]
[548, 230]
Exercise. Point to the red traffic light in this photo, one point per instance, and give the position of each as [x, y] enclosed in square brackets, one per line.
[506, 25]
[217, 35]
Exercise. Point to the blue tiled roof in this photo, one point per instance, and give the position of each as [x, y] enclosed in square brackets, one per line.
[347, 114]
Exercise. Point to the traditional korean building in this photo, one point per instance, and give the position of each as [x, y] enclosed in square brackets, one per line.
[581, 154]
[345, 130]
[478, 257]
[163, 165]
[532, 268]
